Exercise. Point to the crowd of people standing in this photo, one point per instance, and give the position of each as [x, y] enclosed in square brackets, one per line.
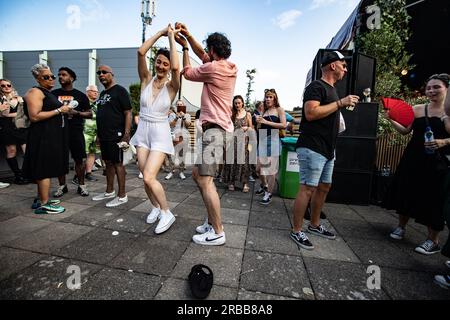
[49, 124]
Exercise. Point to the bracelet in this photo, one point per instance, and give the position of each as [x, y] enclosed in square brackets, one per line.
[59, 111]
[185, 49]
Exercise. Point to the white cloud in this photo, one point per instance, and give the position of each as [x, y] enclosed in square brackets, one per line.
[93, 10]
[316, 4]
[287, 19]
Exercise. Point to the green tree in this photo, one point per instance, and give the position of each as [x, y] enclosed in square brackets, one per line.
[251, 76]
[388, 45]
[135, 96]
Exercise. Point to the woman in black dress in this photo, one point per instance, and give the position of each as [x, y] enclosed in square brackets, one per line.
[47, 154]
[12, 135]
[416, 191]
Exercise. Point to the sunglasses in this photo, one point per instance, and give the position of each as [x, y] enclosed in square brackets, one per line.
[6, 86]
[443, 77]
[103, 72]
[270, 90]
[46, 77]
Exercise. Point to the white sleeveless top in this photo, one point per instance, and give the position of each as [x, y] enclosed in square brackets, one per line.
[156, 110]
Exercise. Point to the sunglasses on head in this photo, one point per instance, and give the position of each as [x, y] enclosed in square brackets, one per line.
[270, 90]
[47, 77]
[443, 77]
[103, 72]
[6, 86]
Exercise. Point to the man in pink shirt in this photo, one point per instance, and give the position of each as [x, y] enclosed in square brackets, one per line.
[219, 78]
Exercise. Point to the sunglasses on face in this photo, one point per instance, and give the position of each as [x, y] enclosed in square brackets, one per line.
[103, 72]
[47, 77]
[6, 86]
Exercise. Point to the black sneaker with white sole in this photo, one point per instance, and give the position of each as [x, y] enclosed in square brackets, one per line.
[261, 190]
[321, 231]
[428, 248]
[301, 239]
[267, 199]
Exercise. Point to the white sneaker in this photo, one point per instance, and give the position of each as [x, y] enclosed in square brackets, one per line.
[210, 238]
[154, 215]
[98, 162]
[94, 168]
[447, 263]
[4, 185]
[182, 176]
[169, 176]
[204, 228]
[141, 176]
[104, 196]
[251, 179]
[165, 222]
[117, 202]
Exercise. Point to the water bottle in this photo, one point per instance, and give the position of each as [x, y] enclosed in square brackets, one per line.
[429, 137]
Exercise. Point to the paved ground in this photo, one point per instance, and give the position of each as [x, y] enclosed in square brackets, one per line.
[259, 261]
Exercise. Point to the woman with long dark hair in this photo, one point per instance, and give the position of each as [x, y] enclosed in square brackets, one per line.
[416, 191]
[239, 170]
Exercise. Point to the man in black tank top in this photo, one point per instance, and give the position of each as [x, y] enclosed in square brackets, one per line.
[316, 146]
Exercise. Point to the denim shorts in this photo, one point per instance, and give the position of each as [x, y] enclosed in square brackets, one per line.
[314, 168]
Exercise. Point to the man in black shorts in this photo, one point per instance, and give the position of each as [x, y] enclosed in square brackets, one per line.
[74, 124]
[113, 127]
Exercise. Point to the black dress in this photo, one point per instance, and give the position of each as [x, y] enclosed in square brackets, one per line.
[9, 134]
[417, 188]
[47, 153]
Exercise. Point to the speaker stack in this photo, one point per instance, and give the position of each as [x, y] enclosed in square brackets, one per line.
[356, 147]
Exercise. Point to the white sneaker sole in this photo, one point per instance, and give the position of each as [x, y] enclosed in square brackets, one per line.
[103, 198]
[166, 227]
[115, 204]
[396, 237]
[321, 235]
[212, 243]
[422, 251]
[443, 285]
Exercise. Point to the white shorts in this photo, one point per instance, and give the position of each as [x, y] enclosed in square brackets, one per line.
[154, 136]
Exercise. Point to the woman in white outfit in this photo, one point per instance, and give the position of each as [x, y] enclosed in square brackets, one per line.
[153, 139]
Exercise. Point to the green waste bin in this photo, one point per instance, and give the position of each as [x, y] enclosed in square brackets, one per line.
[289, 181]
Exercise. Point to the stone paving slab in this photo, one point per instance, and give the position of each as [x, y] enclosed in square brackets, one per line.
[14, 260]
[340, 281]
[337, 250]
[93, 216]
[357, 229]
[45, 280]
[111, 284]
[275, 274]
[151, 255]
[134, 222]
[272, 241]
[99, 246]
[224, 262]
[411, 285]
[269, 221]
[176, 289]
[250, 295]
[381, 253]
[51, 238]
[19, 226]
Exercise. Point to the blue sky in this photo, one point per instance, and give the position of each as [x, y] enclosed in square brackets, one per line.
[279, 38]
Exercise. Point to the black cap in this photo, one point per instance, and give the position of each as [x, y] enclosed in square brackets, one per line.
[200, 281]
[333, 56]
[70, 72]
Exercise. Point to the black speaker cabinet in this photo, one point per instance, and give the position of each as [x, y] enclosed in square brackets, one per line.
[343, 87]
[362, 121]
[355, 153]
[363, 74]
[351, 187]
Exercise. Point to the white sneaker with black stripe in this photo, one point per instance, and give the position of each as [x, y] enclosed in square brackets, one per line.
[210, 238]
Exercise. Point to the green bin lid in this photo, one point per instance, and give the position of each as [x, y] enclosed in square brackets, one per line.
[289, 140]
